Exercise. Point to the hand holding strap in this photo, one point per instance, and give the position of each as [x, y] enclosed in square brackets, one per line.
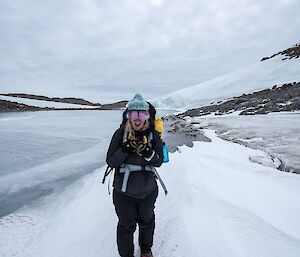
[144, 150]
[129, 146]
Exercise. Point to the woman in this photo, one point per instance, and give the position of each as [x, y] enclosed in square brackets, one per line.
[135, 149]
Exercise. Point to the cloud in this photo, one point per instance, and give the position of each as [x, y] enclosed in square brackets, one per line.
[89, 46]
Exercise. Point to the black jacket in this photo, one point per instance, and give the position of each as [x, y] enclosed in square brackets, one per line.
[140, 183]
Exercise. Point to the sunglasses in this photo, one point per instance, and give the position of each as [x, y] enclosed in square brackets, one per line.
[138, 115]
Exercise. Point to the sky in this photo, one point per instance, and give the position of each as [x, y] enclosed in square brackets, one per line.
[107, 50]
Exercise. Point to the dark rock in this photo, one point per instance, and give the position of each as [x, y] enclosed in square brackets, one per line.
[259, 102]
[265, 58]
[240, 100]
[8, 106]
[70, 100]
[290, 53]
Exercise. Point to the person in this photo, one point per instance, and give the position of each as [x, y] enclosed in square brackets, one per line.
[135, 150]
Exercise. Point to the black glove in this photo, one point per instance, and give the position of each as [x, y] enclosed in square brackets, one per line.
[129, 146]
[144, 150]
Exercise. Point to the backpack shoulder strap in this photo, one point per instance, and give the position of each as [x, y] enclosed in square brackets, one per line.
[124, 136]
[106, 173]
[150, 138]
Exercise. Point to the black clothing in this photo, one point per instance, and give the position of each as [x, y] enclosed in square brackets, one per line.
[145, 150]
[136, 205]
[131, 211]
[129, 146]
[140, 183]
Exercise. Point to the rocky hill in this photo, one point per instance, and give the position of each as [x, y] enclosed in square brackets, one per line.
[290, 53]
[117, 105]
[15, 106]
[7, 106]
[69, 100]
[257, 76]
[275, 99]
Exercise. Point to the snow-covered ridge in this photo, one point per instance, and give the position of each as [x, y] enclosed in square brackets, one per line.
[42, 103]
[277, 99]
[67, 100]
[16, 103]
[290, 53]
[259, 76]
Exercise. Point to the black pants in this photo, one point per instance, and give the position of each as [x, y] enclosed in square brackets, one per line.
[131, 211]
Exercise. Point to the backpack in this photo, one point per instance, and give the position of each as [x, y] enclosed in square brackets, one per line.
[159, 127]
[157, 124]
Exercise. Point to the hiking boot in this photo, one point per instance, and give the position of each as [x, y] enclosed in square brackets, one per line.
[148, 254]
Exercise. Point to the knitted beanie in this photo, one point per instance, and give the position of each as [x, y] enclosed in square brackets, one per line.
[137, 104]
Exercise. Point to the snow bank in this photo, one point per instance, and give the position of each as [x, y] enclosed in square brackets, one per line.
[256, 77]
[222, 204]
[274, 133]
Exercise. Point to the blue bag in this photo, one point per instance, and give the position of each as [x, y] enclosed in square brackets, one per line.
[166, 153]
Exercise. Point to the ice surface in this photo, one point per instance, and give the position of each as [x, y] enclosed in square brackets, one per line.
[276, 133]
[41, 152]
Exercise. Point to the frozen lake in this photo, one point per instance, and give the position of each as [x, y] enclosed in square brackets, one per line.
[43, 152]
[276, 133]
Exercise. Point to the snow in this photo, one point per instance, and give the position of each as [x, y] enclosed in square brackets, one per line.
[219, 203]
[275, 133]
[259, 76]
[225, 205]
[41, 103]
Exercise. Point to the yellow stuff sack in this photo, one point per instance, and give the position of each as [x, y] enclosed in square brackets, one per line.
[159, 125]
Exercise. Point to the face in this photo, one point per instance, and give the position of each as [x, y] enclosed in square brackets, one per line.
[137, 119]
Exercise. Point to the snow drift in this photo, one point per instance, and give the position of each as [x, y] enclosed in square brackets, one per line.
[259, 76]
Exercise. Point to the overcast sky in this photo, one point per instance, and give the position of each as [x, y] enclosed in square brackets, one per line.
[110, 49]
